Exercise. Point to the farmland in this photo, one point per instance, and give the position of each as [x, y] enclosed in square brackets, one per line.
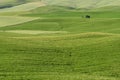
[49, 42]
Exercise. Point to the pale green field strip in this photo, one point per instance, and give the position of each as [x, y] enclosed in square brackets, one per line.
[13, 20]
[59, 76]
[24, 7]
[34, 32]
[5, 1]
[84, 3]
[67, 36]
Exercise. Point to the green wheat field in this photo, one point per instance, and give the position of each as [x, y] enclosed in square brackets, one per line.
[53, 40]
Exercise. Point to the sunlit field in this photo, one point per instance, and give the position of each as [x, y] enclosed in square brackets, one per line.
[52, 42]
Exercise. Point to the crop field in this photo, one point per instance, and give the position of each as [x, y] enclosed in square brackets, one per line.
[83, 3]
[23, 7]
[48, 42]
[13, 20]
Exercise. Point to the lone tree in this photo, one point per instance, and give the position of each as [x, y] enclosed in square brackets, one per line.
[87, 16]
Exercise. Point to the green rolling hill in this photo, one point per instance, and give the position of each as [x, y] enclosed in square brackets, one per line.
[12, 3]
[53, 40]
[84, 3]
[24, 7]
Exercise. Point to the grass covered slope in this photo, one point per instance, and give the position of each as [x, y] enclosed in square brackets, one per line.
[13, 20]
[108, 8]
[6, 3]
[24, 7]
[88, 4]
[59, 43]
[85, 4]
[66, 24]
[12, 3]
[63, 57]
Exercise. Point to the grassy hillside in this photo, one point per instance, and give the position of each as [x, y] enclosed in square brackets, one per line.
[84, 3]
[12, 3]
[63, 57]
[63, 19]
[6, 3]
[24, 7]
[108, 8]
[66, 24]
[59, 43]
[12, 20]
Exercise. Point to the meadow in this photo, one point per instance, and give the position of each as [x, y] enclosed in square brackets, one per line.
[59, 43]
